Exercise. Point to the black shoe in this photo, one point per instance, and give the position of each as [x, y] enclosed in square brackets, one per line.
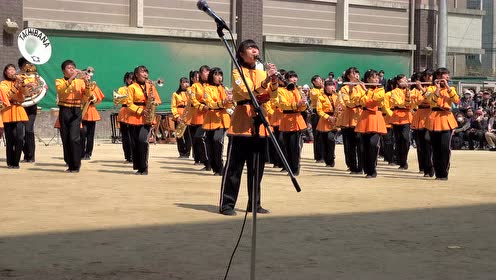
[374, 175]
[319, 161]
[142, 172]
[206, 168]
[228, 212]
[197, 163]
[355, 172]
[492, 149]
[260, 210]
[283, 170]
[217, 174]
[13, 167]
[391, 163]
[403, 167]
[442, 178]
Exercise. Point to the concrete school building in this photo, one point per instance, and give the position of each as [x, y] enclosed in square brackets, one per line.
[173, 37]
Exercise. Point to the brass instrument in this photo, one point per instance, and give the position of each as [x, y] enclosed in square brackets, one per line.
[83, 74]
[119, 98]
[151, 105]
[182, 125]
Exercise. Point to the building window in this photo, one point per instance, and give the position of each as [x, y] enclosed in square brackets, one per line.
[474, 4]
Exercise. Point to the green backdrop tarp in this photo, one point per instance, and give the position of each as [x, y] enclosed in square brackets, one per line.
[315, 60]
[172, 58]
[112, 56]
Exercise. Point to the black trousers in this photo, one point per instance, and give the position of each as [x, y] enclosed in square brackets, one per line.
[318, 153]
[424, 150]
[139, 134]
[387, 145]
[70, 132]
[87, 138]
[370, 143]
[127, 141]
[215, 147]
[274, 156]
[29, 140]
[199, 147]
[441, 152]
[293, 143]
[242, 149]
[402, 143]
[328, 145]
[351, 143]
[183, 143]
[14, 141]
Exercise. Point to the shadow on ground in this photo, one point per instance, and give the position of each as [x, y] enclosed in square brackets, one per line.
[440, 243]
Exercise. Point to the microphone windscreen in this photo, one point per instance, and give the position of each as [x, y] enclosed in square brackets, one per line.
[202, 5]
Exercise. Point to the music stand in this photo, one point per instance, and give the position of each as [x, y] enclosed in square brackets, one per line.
[54, 114]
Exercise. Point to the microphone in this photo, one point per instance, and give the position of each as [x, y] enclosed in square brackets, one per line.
[203, 6]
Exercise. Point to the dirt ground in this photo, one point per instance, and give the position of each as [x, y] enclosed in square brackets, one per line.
[106, 223]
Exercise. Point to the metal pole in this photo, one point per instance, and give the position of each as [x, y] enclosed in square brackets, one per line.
[442, 33]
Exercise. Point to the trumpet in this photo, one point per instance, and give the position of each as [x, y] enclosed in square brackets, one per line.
[158, 82]
[266, 66]
[88, 72]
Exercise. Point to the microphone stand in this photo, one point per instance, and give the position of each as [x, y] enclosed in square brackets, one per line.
[260, 118]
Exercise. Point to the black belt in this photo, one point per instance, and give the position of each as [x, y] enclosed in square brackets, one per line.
[424, 107]
[330, 113]
[181, 106]
[140, 103]
[218, 109]
[359, 106]
[289, 111]
[401, 109]
[243, 102]
[439, 109]
[124, 106]
[369, 109]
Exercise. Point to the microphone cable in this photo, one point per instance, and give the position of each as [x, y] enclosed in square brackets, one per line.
[236, 247]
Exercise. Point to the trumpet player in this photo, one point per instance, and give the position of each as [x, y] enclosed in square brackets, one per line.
[90, 117]
[70, 93]
[292, 102]
[247, 137]
[13, 115]
[179, 102]
[216, 120]
[122, 117]
[141, 93]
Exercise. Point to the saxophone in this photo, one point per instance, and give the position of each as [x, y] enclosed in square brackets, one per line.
[182, 125]
[151, 105]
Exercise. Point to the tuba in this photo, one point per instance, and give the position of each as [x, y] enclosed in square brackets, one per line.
[36, 49]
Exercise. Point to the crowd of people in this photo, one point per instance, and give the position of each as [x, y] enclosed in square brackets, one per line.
[374, 117]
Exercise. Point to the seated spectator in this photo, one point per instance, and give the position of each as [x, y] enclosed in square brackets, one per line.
[460, 134]
[477, 129]
[491, 132]
[486, 103]
[466, 101]
[477, 100]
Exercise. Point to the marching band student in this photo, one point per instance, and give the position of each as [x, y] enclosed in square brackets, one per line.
[387, 140]
[89, 122]
[179, 102]
[122, 118]
[326, 127]
[315, 93]
[420, 118]
[441, 121]
[138, 114]
[70, 92]
[247, 138]
[14, 116]
[199, 110]
[275, 121]
[292, 103]
[216, 120]
[401, 119]
[29, 140]
[371, 122]
[348, 119]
